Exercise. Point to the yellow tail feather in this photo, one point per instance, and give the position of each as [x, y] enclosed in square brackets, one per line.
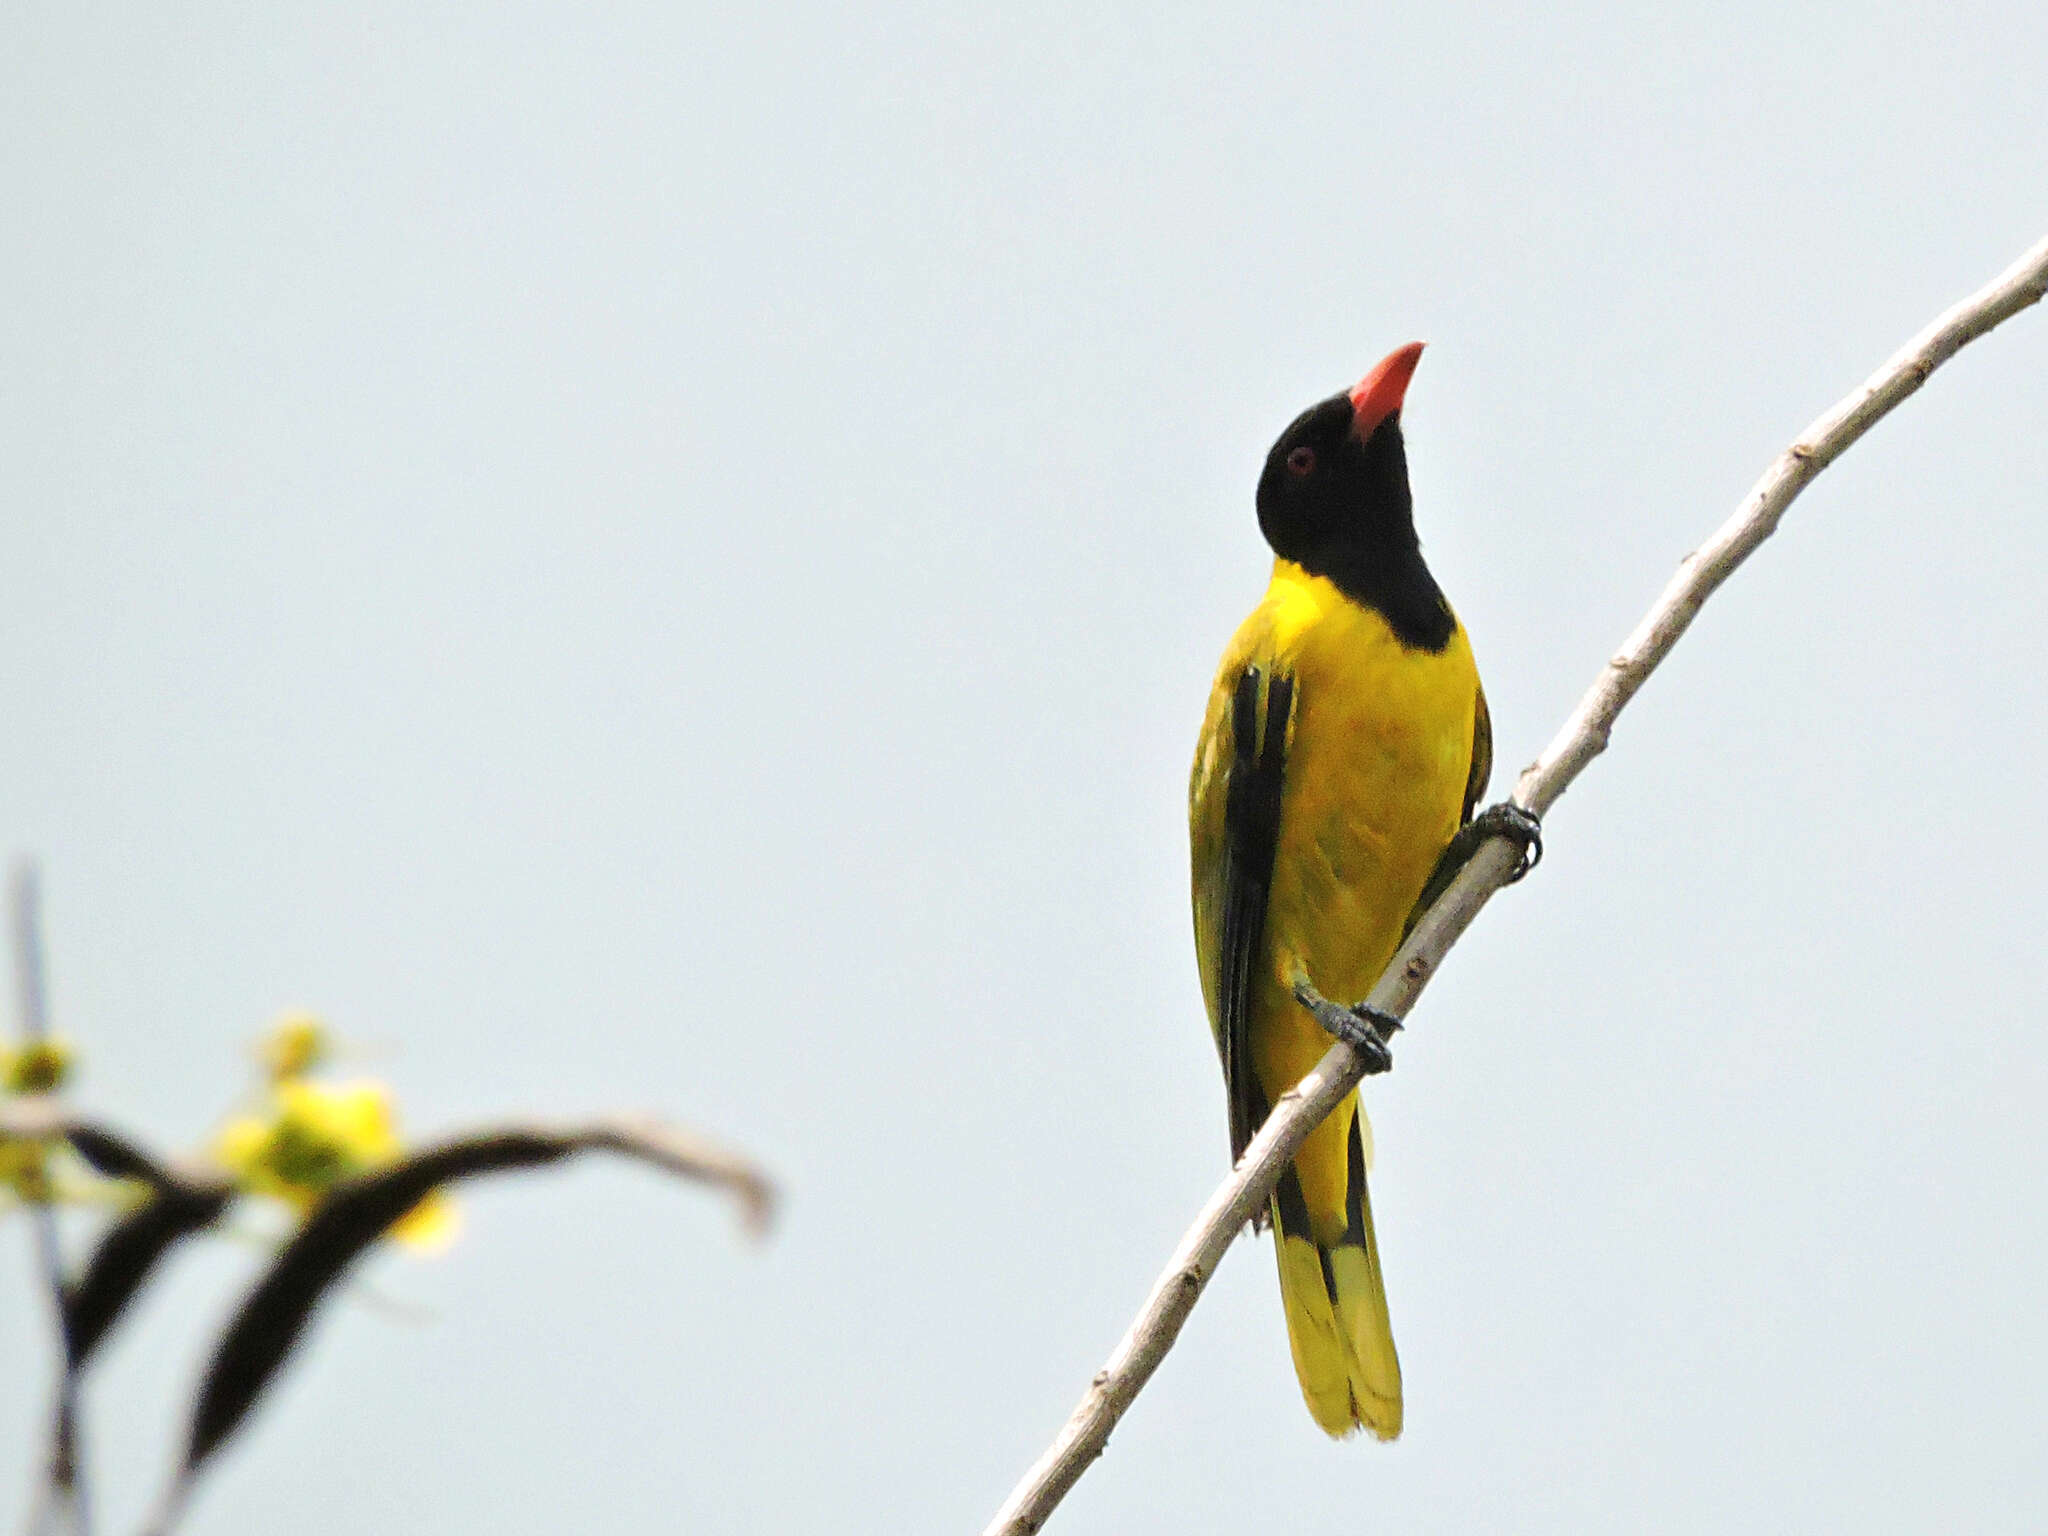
[1336, 1303]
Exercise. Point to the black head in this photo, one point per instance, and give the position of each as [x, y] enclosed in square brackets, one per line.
[1334, 499]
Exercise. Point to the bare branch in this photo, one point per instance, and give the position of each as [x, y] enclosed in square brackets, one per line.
[46, 1117]
[694, 1157]
[65, 1481]
[1582, 738]
[24, 898]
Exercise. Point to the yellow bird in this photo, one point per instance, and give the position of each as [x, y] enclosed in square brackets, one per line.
[1345, 746]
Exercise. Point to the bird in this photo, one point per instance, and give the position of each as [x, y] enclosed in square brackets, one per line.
[1345, 746]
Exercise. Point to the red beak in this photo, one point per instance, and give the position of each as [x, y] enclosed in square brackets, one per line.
[1379, 393]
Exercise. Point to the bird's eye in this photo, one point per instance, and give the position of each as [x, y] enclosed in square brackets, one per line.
[1301, 461]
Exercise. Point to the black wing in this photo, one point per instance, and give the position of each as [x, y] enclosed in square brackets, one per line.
[1251, 832]
[1482, 754]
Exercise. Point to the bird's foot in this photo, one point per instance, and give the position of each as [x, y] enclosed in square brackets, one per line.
[1366, 1029]
[1507, 819]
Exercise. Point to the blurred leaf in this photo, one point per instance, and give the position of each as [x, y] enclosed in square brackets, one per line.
[125, 1258]
[358, 1211]
[131, 1249]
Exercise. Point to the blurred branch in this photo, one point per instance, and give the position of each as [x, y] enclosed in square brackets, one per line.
[46, 1117]
[63, 1481]
[689, 1155]
[25, 902]
[1582, 738]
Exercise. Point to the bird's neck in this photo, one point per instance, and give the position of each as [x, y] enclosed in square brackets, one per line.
[1386, 573]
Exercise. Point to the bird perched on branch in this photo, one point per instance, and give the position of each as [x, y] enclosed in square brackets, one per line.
[1346, 745]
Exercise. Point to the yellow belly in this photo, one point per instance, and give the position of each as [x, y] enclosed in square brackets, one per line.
[1376, 767]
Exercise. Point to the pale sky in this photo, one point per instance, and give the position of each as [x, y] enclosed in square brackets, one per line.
[673, 560]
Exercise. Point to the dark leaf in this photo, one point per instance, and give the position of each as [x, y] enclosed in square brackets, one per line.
[124, 1259]
[352, 1217]
[116, 1157]
[42, 1116]
[357, 1212]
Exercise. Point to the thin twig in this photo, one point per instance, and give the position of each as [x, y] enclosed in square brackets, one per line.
[64, 1479]
[46, 1117]
[25, 897]
[675, 1150]
[1582, 738]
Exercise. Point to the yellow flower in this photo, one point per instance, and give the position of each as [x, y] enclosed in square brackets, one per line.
[24, 1171]
[36, 1066]
[40, 1066]
[317, 1134]
[296, 1044]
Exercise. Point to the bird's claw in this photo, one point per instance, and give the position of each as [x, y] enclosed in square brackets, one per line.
[1366, 1029]
[1507, 819]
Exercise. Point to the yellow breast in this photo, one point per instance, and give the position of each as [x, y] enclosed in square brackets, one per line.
[1377, 759]
[1376, 768]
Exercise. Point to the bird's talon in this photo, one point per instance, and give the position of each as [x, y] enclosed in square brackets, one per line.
[1362, 1027]
[1362, 1038]
[1509, 820]
[1369, 1031]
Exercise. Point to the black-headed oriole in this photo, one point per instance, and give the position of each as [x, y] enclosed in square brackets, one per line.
[1346, 743]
